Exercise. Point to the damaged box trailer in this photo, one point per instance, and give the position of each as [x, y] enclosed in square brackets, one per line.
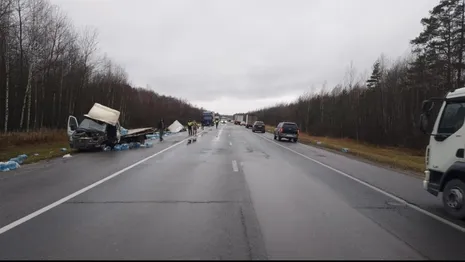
[101, 128]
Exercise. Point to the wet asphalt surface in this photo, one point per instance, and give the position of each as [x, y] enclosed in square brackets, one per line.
[232, 194]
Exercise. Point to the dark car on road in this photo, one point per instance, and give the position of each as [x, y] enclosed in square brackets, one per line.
[288, 130]
[258, 126]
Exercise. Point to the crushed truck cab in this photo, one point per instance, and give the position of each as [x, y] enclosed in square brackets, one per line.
[444, 156]
[100, 128]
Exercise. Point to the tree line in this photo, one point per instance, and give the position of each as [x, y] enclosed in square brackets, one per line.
[384, 109]
[49, 70]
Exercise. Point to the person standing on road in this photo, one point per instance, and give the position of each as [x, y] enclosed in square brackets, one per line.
[161, 128]
[216, 123]
[189, 127]
[194, 128]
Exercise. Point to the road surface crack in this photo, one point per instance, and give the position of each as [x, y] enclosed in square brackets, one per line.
[244, 227]
[154, 202]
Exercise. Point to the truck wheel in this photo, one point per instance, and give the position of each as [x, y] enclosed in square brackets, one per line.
[453, 198]
[279, 138]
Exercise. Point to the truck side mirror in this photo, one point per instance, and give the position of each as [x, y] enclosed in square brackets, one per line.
[424, 123]
[427, 106]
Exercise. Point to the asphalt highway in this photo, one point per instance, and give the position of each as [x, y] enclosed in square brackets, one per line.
[232, 194]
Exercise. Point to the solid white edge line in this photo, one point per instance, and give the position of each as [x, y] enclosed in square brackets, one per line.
[63, 200]
[419, 209]
[234, 166]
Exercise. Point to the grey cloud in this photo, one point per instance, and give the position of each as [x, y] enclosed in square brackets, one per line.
[247, 49]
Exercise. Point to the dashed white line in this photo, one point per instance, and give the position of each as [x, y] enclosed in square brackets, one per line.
[234, 166]
[230, 143]
[63, 200]
[379, 190]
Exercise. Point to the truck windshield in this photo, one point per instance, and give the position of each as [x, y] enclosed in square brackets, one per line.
[452, 118]
[89, 124]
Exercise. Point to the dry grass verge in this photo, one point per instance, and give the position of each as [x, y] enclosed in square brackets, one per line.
[406, 159]
[37, 145]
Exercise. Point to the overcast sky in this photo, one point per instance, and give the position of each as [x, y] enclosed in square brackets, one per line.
[238, 55]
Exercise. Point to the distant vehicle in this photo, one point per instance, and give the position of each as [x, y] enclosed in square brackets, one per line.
[238, 119]
[250, 120]
[242, 123]
[207, 118]
[223, 121]
[258, 126]
[288, 130]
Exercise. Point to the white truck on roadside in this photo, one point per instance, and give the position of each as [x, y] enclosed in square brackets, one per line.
[100, 128]
[445, 157]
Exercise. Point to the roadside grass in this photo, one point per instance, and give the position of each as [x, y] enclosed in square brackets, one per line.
[402, 158]
[45, 143]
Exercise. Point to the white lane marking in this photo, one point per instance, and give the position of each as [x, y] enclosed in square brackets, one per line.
[218, 135]
[63, 200]
[230, 143]
[234, 165]
[379, 190]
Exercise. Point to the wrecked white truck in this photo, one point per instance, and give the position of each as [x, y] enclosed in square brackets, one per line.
[101, 128]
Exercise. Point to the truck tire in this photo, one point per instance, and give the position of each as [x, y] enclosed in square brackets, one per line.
[453, 198]
[279, 138]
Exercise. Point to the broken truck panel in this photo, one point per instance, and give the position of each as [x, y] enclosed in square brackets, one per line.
[137, 131]
[175, 127]
[104, 114]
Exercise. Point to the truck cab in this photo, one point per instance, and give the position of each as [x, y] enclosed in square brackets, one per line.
[444, 156]
[99, 127]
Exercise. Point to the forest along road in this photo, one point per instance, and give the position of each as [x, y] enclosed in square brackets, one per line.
[232, 194]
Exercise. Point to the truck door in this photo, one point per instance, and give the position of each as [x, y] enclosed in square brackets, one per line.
[72, 126]
[448, 140]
